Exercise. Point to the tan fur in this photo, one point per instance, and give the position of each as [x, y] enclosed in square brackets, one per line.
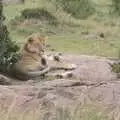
[30, 62]
[56, 62]
[34, 63]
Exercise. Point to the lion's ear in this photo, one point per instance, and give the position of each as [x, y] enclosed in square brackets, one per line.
[30, 39]
[46, 38]
[29, 46]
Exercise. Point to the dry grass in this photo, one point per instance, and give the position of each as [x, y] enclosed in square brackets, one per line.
[87, 112]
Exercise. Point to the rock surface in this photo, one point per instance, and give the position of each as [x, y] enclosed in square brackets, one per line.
[4, 80]
[94, 83]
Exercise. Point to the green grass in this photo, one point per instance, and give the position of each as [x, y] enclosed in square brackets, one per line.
[11, 11]
[67, 36]
[75, 45]
[79, 46]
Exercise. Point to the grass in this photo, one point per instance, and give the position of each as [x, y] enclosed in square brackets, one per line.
[67, 36]
[70, 36]
[85, 112]
[78, 46]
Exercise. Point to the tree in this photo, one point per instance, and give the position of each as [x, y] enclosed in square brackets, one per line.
[8, 49]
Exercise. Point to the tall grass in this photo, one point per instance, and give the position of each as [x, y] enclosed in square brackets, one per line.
[84, 112]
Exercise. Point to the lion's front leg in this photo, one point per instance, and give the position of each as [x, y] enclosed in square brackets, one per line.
[61, 75]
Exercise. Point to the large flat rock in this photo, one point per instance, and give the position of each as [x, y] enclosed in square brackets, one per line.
[94, 83]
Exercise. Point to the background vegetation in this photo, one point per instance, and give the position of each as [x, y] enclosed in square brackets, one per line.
[8, 49]
[116, 6]
[73, 26]
[92, 29]
[77, 8]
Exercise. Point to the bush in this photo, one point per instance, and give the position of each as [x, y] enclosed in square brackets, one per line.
[38, 13]
[116, 65]
[116, 6]
[77, 8]
[8, 49]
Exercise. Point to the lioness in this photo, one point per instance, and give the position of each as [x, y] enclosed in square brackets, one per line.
[31, 62]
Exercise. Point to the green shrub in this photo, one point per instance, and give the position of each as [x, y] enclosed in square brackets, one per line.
[77, 8]
[116, 6]
[39, 13]
[8, 49]
[116, 65]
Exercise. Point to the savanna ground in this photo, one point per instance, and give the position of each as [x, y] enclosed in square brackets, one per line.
[97, 35]
[71, 35]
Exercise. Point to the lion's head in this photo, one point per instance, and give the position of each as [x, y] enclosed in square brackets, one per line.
[35, 44]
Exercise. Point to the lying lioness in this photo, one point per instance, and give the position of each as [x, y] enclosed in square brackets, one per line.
[33, 62]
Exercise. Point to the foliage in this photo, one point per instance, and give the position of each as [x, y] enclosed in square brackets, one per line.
[115, 67]
[116, 6]
[8, 48]
[38, 13]
[69, 39]
[77, 8]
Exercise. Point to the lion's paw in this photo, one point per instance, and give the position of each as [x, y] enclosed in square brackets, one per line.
[70, 66]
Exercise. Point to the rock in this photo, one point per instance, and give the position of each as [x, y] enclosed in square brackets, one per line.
[4, 80]
[91, 68]
[94, 84]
